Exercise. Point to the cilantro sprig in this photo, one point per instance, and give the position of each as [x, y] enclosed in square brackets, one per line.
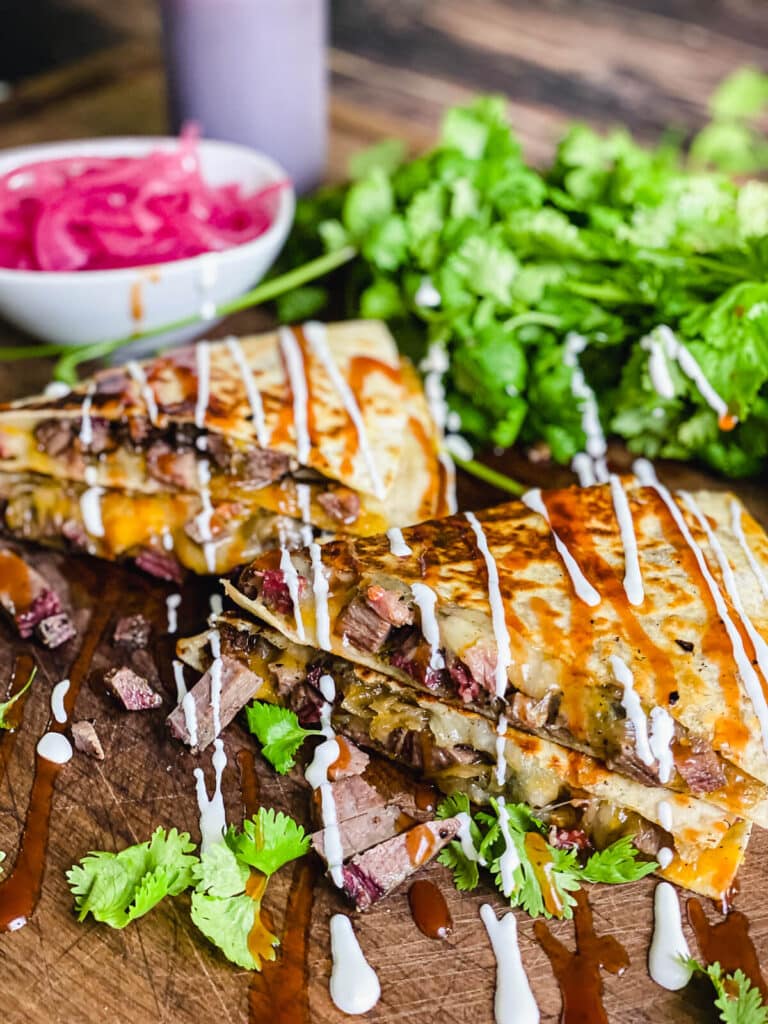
[737, 999]
[227, 882]
[6, 706]
[616, 864]
[279, 732]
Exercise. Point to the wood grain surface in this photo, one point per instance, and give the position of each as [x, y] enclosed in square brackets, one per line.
[396, 65]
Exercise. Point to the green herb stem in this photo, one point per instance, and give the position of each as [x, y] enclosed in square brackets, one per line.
[489, 476]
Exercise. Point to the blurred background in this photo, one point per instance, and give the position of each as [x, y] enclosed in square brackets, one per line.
[396, 64]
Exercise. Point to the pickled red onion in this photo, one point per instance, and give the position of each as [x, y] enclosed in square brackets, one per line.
[98, 213]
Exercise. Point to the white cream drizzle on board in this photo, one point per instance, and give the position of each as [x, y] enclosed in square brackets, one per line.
[581, 584]
[203, 364]
[426, 599]
[647, 477]
[297, 380]
[668, 945]
[397, 544]
[498, 617]
[729, 579]
[54, 746]
[253, 394]
[213, 819]
[317, 336]
[317, 777]
[513, 1002]
[738, 529]
[354, 984]
[58, 693]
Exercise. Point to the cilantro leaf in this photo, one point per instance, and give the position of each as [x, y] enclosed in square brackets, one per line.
[117, 888]
[219, 872]
[279, 732]
[268, 841]
[5, 706]
[466, 872]
[236, 927]
[738, 1000]
[617, 863]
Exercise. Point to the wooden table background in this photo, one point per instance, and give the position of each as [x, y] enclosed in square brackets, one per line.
[396, 65]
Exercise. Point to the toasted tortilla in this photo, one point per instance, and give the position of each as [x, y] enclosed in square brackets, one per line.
[708, 844]
[676, 645]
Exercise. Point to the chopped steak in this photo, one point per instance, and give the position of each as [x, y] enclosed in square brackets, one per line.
[275, 593]
[238, 685]
[390, 605]
[467, 687]
[352, 797]
[25, 595]
[131, 689]
[364, 831]
[699, 766]
[362, 627]
[260, 466]
[55, 630]
[159, 564]
[532, 713]
[171, 466]
[54, 436]
[132, 631]
[342, 505]
[86, 740]
[351, 761]
[480, 660]
[369, 876]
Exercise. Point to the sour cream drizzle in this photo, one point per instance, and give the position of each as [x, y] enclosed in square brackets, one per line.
[86, 424]
[501, 743]
[172, 604]
[590, 417]
[55, 747]
[320, 590]
[137, 373]
[316, 335]
[513, 1002]
[664, 812]
[498, 618]
[633, 578]
[668, 945]
[658, 371]
[58, 693]
[178, 678]
[661, 735]
[584, 468]
[354, 985]
[214, 641]
[317, 776]
[203, 519]
[426, 599]
[213, 819]
[645, 474]
[297, 380]
[203, 363]
[252, 392]
[292, 582]
[304, 501]
[90, 504]
[509, 861]
[464, 836]
[690, 367]
[729, 579]
[581, 585]
[738, 529]
[451, 501]
[630, 701]
[397, 544]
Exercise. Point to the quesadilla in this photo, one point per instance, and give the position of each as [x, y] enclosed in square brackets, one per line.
[581, 801]
[205, 455]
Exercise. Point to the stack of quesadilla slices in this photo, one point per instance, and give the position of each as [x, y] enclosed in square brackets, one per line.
[598, 653]
[206, 455]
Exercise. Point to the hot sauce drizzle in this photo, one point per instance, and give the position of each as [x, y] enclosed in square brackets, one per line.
[429, 910]
[578, 972]
[728, 942]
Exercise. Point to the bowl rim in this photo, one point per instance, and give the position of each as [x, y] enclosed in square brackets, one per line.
[19, 155]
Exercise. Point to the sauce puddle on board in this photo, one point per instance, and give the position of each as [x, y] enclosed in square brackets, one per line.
[20, 891]
[578, 972]
[727, 942]
[429, 910]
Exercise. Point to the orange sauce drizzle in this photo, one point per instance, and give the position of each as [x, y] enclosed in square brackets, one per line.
[15, 584]
[420, 844]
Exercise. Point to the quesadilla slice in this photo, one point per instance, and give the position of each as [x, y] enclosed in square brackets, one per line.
[583, 803]
[631, 631]
[220, 449]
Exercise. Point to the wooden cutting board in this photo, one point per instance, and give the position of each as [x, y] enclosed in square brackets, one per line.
[56, 971]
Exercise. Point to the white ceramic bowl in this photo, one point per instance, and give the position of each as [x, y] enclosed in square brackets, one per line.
[75, 307]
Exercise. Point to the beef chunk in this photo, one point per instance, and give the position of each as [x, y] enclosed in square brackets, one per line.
[132, 631]
[362, 627]
[131, 689]
[171, 466]
[371, 875]
[351, 761]
[699, 766]
[341, 504]
[54, 436]
[260, 466]
[25, 595]
[569, 838]
[159, 564]
[467, 687]
[238, 686]
[392, 606]
[74, 532]
[364, 830]
[101, 436]
[534, 714]
[55, 630]
[86, 740]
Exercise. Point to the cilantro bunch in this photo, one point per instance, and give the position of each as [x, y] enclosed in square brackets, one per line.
[563, 874]
[610, 241]
[737, 999]
[227, 882]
